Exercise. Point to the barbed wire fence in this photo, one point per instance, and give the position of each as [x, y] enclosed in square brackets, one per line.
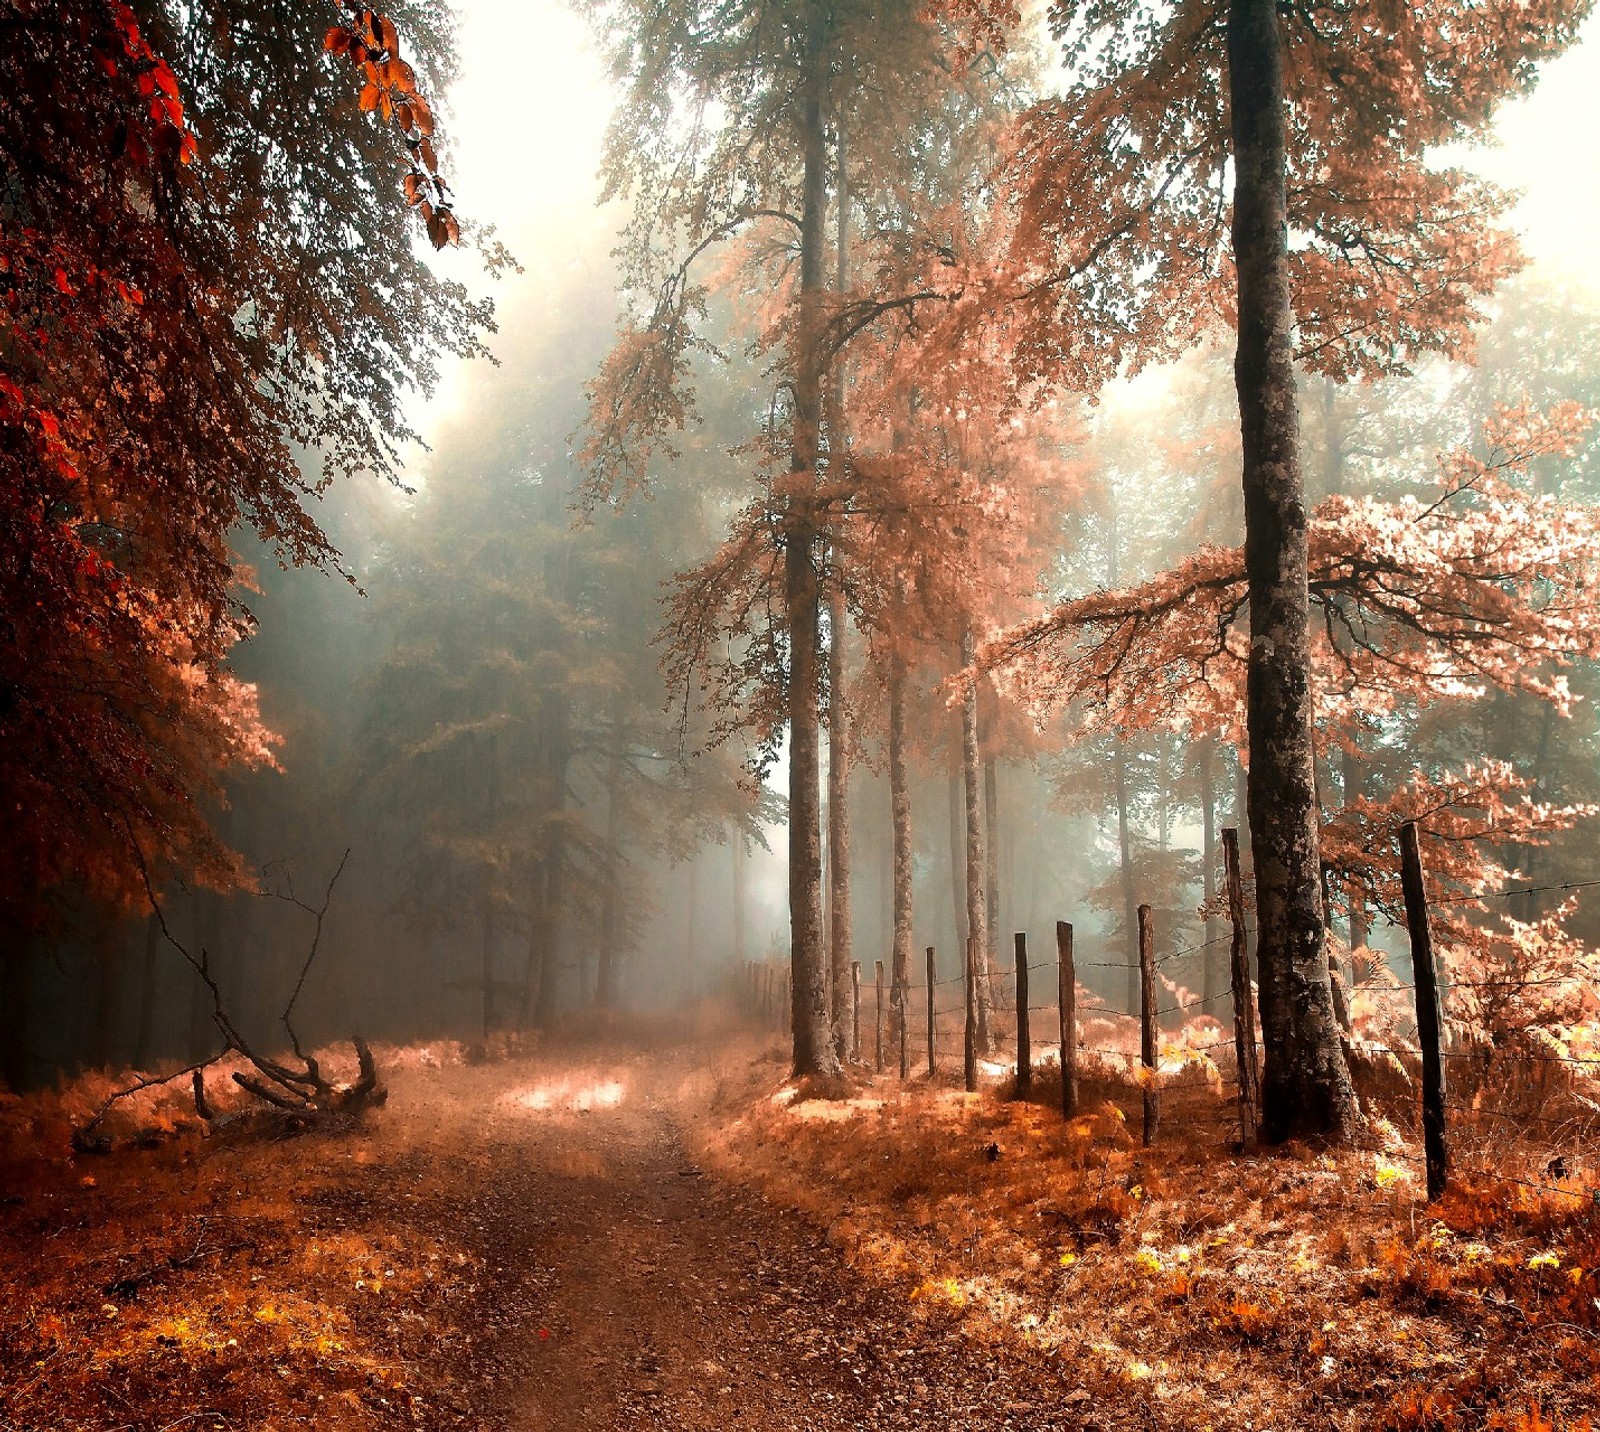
[1448, 1094]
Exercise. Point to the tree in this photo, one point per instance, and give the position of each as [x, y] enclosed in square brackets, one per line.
[1324, 115]
[724, 130]
[1475, 583]
[171, 343]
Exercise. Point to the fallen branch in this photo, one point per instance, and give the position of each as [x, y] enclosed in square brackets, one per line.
[304, 1093]
[85, 1139]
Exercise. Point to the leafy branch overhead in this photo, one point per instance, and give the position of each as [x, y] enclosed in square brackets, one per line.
[1477, 583]
[370, 43]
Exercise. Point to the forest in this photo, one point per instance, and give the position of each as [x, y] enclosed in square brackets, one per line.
[799, 715]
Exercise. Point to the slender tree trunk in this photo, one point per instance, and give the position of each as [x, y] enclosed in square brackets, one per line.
[840, 953]
[1213, 962]
[813, 1044]
[991, 863]
[958, 855]
[1130, 893]
[977, 900]
[900, 815]
[1305, 1084]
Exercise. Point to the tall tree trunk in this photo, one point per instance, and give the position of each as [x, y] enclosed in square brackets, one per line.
[813, 1044]
[1130, 892]
[958, 855]
[839, 942]
[900, 816]
[977, 900]
[991, 863]
[1214, 963]
[1305, 1084]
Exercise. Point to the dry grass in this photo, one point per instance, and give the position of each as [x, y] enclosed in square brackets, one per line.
[1218, 1288]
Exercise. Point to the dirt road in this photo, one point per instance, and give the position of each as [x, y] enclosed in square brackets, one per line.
[634, 1290]
[525, 1246]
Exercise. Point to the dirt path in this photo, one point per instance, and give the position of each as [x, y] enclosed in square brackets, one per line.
[520, 1247]
[633, 1290]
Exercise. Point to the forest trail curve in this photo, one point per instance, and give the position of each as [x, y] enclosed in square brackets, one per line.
[658, 1296]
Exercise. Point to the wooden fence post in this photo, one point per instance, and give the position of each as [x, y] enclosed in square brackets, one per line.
[933, 991]
[877, 1016]
[1428, 1022]
[969, 1051]
[1147, 1025]
[855, 1010]
[1067, 999]
[1024, 1043]
[1244, 1021]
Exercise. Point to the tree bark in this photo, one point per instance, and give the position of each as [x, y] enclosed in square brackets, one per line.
[813, 1044]
[991, 861]
[1212, 962]
[977, 900]
[839, 940]
[1130, 894]
[900, 816]
[1305, 1085]
[958, 857]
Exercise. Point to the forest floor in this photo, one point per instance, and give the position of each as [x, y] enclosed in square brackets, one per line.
[594, 1238]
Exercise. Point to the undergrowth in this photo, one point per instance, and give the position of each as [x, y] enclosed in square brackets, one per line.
[1218, 1287]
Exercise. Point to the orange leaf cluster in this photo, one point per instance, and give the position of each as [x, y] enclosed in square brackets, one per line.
[368, 40]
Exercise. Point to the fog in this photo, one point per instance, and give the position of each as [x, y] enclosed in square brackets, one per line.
[532, 809]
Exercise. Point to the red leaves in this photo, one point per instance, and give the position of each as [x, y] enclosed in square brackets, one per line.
[371, 43]
[422, 115]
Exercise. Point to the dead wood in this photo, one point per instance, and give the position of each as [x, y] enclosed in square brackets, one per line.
[303, 1093]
